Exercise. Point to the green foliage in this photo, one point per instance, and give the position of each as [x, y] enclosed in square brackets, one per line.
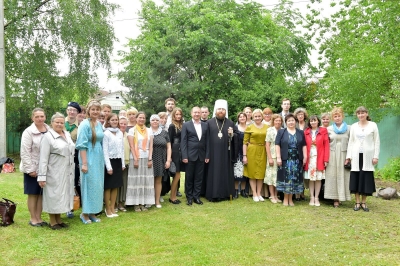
[42, 35]
[204, 50]
[391, 171]
[359, 55]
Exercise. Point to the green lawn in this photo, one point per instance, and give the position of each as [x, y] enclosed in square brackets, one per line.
[239, 233]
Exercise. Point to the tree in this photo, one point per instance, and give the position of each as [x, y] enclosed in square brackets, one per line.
[205, 50]
[361, 58]
[41, 36]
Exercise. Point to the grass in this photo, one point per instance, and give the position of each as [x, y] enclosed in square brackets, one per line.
[239, 233]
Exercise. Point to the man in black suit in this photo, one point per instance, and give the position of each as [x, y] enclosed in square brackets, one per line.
[194, 148]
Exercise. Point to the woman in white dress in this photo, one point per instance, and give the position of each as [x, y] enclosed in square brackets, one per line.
[337, 178]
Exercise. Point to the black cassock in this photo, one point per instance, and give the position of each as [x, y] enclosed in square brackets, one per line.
[220, 180]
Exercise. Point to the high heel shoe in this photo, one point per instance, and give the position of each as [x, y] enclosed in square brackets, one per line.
[312, 201]
[317, 204]
[175, 201]
[109, 216]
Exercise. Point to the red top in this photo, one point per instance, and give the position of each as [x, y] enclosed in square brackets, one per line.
[322, 142]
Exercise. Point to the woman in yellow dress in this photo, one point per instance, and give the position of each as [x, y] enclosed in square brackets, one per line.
[254, 154]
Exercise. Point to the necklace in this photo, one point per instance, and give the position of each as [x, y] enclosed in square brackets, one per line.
[219, 129]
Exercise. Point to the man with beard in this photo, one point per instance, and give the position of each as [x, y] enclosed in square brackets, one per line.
[169, 106]
[220, 179]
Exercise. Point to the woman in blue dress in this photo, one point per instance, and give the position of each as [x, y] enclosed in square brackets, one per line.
[91, 161]
[291, 155]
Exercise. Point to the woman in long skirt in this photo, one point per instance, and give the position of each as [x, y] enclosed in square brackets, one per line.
[91, 161]
[337, 178]
[291, 155]
[363, 152]
[238, 166]
[140, 192]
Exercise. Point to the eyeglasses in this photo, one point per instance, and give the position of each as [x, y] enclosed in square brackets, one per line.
[72, 110]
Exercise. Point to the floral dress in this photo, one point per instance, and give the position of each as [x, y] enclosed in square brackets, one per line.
[238, 166]
[290, 175]
[271, 171]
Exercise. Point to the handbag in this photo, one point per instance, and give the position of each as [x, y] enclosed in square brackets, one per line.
[8, 168]
[7, 212]
[77, 202]
[347, 166]
[172, 169]
[7, 165]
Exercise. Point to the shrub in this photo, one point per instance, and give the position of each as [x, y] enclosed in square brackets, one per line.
[391, 171]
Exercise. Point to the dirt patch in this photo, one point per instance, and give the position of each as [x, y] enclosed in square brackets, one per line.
[384, 184]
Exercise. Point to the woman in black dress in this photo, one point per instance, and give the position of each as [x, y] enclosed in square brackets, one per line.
[174, 132]
[161, 155]
[238, 166]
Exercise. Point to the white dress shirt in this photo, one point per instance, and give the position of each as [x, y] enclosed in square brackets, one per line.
[197, 127]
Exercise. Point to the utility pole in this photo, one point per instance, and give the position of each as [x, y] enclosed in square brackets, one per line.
[3, 142]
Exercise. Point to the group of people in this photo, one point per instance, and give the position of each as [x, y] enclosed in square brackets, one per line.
[116, 161]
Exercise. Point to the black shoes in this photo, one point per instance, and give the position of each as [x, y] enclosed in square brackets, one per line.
[198, 201]
[189, 202]
[175, 201]
[236, 194]
[357, 207]
[364, 206]
[243, 193]
[178, 194]
[55, 227]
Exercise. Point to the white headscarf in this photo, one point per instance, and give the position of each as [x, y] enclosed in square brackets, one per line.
[221, 104]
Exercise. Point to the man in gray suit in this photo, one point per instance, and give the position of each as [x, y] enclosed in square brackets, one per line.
[195, 153]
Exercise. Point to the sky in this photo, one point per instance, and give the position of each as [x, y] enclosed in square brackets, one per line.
[126, 27]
